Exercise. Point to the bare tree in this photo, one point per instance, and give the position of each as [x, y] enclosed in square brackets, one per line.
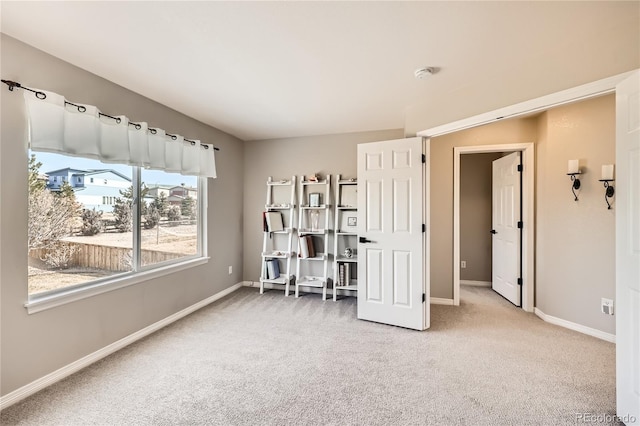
[51, 217]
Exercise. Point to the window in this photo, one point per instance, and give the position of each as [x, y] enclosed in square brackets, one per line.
[96, 234]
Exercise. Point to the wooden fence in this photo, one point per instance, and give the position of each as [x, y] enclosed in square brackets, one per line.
[108, 258]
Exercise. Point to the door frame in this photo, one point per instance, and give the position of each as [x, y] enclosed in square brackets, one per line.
[579, 93]
[528, 234]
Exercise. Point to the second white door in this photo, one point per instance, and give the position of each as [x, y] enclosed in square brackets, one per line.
[506, 233]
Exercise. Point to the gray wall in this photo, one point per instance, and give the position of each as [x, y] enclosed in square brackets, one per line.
[575, 262]
[475, 215]
[35, 345]
[282, 158]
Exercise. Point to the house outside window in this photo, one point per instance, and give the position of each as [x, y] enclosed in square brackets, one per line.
[109, 239]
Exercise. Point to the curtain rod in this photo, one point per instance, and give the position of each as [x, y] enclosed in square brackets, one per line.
[41, 95]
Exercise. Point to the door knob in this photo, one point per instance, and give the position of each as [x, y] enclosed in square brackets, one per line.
[363, 240]
[493, 231]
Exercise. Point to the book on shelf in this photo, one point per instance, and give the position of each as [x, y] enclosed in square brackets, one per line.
[273, 269]
[306, 247]
[347, 274]
[344, 274]
[274, 221]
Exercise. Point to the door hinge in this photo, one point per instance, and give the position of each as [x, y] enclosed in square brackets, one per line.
[424, 228]
[424, 158]
[424, 297]
[519, 281]
[520, 225]
[519, 167]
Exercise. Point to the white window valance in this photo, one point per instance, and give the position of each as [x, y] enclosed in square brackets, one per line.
[57, 125]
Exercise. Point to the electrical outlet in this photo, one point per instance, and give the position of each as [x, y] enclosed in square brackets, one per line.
[230, 269]
[463, 264]
[607, 306]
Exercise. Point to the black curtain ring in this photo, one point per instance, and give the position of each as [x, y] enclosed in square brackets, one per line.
[41, 95]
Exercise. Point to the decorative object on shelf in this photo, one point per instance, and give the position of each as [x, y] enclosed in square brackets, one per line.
[607, 176]
[574, 170]
[352, 221]
[313, 178]
[314, 218]
[315, 199]
[348, 252]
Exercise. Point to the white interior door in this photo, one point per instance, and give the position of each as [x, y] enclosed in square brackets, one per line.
[506, 234]
[391, 248]
[628, 249]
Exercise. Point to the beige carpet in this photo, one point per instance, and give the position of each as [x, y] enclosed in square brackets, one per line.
[252, 359]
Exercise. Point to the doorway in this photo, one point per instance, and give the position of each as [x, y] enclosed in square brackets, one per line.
[475, 218]
[528, 229]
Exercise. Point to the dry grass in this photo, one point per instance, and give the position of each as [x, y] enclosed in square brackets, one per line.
[44, 280]
[181, 239]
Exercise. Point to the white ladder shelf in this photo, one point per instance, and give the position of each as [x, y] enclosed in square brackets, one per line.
[315, 197]
[346, 236]
[278, 245]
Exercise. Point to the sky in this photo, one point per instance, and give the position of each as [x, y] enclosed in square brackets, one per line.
[52, 162]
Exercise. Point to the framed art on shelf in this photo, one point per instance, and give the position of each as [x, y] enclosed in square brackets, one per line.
[314, 199]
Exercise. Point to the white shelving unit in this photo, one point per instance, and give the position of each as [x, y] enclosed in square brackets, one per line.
[346, 236]
[279, 244]
[307, 269]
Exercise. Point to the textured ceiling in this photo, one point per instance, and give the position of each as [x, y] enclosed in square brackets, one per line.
[262, 70]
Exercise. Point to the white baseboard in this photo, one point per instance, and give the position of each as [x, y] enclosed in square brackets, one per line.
[576, 327]
[303, 289]
[476, 283]
[440, 301]
[51, 378]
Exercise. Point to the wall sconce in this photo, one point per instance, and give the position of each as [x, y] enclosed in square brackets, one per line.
[574, 170]
[607, 176]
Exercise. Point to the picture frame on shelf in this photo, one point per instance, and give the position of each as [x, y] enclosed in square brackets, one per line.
[352, 221]
[315, 199]
[349, 196]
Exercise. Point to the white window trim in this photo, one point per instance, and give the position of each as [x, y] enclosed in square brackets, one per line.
[45, 301]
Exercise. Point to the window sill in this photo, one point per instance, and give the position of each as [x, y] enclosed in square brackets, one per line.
[38, 304]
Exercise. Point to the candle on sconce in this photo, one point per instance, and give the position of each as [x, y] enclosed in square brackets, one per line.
[574, 167]
[607, 172]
